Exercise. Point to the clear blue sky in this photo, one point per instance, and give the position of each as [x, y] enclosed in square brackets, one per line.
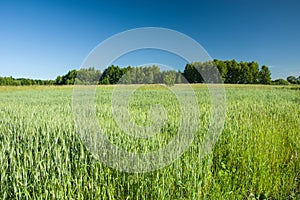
[44, 39]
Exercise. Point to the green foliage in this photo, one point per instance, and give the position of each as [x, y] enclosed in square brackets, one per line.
[89, 76]
[257, 147]
[293, 79]
[68, 79]
[280, 82]
[253, 72]
[111, 75]
[5, 81]
[179, 78]
[264, 76]
[169, 77]
[257, 155]
[191, 73]
[139, 75]
[222, 67]
[230, 72]
[233, 74]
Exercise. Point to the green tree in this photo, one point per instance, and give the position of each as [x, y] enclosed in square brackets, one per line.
[233, 73]
[253, 72]
[156, 74]
[111, 75]
[264, 76]
[292, 79]
[280, 82]
[298, 80]
[191, 73]
[89, 76]
[69, 78]
[140, 75]
[169, 77]
[178, 77]
[244, 76]
[149, 76]
[127, 76]
[221, 65]
[58, 80]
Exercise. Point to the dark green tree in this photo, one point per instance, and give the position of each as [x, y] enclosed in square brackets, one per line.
[253, 72]
[264, 76]
[59, 80]
[233, 74]
[292, 79]
[244, 74]
[111, 75]
[191, 73]
[68, 79]
[221, 65]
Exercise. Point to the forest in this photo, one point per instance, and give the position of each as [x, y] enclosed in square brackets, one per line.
[231, 72]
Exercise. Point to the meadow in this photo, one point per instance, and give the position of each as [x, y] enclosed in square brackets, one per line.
[257, 156]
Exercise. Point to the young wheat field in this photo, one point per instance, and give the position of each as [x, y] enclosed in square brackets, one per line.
[257, 155]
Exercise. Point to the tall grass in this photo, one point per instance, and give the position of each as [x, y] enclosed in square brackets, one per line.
[257, 155]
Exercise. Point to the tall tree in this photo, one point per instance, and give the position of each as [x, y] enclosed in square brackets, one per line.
[244, 76]
[221, 65]
[178, 77]
[253, 72]
[111, 75]
[264, 76]
[191, 73]
[169, 77]
[89, 76]
[233, 74]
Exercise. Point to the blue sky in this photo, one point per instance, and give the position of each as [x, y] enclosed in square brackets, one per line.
[44, 39]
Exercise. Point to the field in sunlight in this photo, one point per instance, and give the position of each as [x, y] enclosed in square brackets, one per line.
[256, 156]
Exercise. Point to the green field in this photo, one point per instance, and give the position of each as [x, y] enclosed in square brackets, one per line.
[257, 156]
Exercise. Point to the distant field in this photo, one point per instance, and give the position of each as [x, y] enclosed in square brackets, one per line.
[257, 155]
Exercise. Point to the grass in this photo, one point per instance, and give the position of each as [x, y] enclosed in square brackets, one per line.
[256, 157]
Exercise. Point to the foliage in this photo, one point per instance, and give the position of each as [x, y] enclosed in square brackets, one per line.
[230, 72]
[111, 75]
[169, 77]
[68, 79]
[89, 76]
[139, 75]
[293, 79]
[257, 155]
[191, 73]
[280, 82]
[5, 81]
[264, 75]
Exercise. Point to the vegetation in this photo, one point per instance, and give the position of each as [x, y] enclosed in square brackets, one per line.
[280, 82]
[256, 157]
[230, 71]
[293, 80]
[138, 75]
[82, 76]
[6, 81]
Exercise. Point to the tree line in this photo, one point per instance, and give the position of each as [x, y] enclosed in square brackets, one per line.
[230, 71]
[139, 75]
[5, 81]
